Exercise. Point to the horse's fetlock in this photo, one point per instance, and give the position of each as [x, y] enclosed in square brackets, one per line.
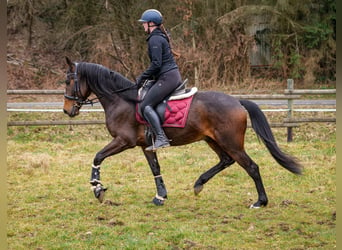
[161, 189]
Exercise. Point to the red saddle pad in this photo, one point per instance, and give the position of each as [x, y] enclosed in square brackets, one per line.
[175, 114]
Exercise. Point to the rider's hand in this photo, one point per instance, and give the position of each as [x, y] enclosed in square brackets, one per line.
[140, 82]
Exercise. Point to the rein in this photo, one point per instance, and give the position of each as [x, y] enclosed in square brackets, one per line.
[124, 89]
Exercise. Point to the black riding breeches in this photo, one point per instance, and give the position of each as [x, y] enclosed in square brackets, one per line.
[162, 88]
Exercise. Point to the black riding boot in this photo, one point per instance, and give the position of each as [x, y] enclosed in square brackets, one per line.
[161, 141]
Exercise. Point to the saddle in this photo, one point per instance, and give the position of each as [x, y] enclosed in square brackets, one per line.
[170, 104]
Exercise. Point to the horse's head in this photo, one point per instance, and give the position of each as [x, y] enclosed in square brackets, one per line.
[76, 90]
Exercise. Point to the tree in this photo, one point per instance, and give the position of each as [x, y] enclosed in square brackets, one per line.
[211, 35]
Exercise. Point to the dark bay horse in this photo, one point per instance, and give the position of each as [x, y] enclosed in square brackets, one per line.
[217, 118]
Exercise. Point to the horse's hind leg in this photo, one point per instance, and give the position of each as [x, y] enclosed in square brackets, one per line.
[232, 142]
[253, 171]
[161, 195]
[225, 161]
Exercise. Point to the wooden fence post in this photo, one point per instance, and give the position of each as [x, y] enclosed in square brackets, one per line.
[290, 88]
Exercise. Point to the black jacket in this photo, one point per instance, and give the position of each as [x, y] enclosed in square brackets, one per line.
[160, 55]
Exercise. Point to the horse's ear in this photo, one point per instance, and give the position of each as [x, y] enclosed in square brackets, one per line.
[69, 62]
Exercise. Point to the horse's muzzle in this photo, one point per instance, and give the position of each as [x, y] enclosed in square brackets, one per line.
[73, 112]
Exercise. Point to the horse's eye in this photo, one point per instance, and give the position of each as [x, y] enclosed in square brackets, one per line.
[67, 82]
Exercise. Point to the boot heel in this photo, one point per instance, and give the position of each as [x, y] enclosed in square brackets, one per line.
[157, 145]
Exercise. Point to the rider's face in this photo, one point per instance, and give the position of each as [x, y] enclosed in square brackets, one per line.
[145, 25]
[149, 27]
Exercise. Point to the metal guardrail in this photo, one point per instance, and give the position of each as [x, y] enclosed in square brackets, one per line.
[34, 92]
[310, 91]
[51, 123]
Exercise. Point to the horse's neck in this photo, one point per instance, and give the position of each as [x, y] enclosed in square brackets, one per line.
[115, 106]
[106, 102]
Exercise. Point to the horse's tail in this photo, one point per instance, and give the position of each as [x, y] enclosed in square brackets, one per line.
[263, 130]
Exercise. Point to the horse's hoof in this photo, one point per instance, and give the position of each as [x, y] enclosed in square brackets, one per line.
[101, 196]
[99, 192]
[198, 189]
[258, 204]
[158, 202]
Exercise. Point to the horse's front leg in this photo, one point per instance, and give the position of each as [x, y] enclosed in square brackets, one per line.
[117, 145]
[161, 195]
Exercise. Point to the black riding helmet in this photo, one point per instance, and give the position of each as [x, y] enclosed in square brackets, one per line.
[151, 15]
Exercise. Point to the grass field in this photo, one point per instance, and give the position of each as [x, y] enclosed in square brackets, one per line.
[51, 206]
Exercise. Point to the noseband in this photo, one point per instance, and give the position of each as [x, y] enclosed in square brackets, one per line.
[78, 97]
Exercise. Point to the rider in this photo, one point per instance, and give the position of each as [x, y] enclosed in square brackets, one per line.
[163, 69]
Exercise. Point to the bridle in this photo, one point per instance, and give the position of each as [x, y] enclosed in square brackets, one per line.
[77, 94]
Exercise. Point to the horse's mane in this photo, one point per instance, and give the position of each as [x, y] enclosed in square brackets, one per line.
[105, 82]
